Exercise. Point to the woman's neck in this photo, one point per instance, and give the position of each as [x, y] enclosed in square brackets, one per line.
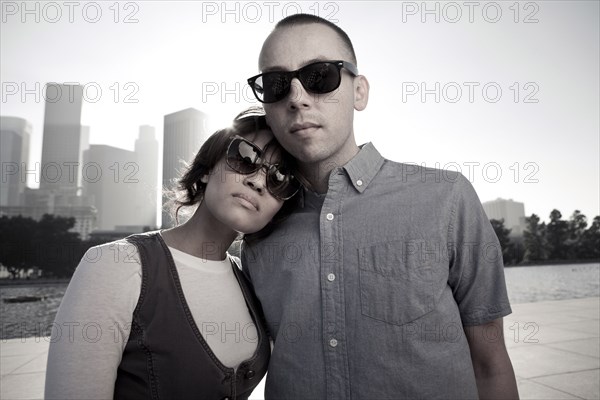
[201, 236]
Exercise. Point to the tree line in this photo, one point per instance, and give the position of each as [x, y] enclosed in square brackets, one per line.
[558, 240]
[49, 244]
[46, 244]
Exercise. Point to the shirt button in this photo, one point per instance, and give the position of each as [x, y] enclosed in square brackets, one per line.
[331, 277]
[329, 216]
[333, 343]
[359, 182]
[250, 374]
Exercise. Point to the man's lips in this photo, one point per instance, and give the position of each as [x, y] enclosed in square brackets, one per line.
[249, 200]
[303, 127]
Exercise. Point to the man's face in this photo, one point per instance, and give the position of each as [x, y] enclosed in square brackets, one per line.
[317, 129]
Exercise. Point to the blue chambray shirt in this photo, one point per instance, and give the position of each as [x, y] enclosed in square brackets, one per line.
[366, 289]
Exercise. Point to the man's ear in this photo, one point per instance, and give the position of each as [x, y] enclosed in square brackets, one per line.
[361, 92]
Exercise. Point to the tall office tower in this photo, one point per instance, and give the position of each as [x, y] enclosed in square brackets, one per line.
[110, 179]
[83, 146]
[146, 148]
[61, 147]
[184, 133]
[14, 153]
[513, 213]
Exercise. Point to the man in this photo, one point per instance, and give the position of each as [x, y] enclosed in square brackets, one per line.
[386, 282]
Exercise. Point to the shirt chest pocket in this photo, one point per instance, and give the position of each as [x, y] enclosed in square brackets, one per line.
[396, 281]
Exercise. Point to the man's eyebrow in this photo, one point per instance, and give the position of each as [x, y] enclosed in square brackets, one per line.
[279, 68]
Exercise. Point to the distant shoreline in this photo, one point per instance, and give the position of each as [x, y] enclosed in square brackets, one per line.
[4, 282]
[543, 263]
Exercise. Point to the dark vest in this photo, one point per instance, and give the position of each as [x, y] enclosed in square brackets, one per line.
[166, 356]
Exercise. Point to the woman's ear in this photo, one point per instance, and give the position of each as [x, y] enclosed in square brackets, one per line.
[204, 179]
[361, 92]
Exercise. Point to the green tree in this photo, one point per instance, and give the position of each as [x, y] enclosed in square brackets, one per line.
[590, 247]
[57, 250]
[576, 231]
[16, 252]
[534, 239]
[557, 235]
[517, 250]
[503, 235]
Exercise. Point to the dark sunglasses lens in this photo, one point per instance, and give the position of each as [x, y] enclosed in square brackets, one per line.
[281, 183]
[242, 156]
[245, 158]
[273, 86]
[320, 77]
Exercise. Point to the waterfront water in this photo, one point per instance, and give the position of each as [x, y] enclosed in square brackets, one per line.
[552, 282]
[525, 285]
[33, 318]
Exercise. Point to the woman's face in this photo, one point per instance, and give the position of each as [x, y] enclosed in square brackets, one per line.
[242, 202]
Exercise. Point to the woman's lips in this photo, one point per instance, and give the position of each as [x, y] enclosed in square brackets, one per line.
[247, 200]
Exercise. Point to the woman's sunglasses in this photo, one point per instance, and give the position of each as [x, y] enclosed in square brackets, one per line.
[319, 77]
[245, 158]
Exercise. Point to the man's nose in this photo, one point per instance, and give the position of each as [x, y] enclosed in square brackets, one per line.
[298, 97]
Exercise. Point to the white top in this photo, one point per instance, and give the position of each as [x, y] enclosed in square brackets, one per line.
[93, 322]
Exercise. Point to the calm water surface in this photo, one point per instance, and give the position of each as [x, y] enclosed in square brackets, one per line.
[525, 285]
[29, 319]
[552, 282]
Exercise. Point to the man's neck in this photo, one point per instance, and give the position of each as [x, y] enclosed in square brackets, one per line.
[316, 175]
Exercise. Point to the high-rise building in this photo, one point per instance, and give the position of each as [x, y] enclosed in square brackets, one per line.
[110, 180]
[513, 213]
[146, 148]
[184, 133]
[83, 146]
[14, 153]
[62, 142]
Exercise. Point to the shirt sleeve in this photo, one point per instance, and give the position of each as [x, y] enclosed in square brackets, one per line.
[476, 267]
[93, 322]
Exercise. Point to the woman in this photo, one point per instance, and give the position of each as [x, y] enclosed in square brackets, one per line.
[168, 314]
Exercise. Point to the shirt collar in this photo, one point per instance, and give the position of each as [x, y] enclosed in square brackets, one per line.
[361, 170]
[364, 166]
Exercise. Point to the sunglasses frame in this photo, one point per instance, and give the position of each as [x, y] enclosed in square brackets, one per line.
[263, 164]
[296, 74]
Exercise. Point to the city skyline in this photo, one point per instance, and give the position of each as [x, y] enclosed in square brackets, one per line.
[537, 143]
[102, 187]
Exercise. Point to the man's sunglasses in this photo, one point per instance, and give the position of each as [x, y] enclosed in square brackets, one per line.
[319, 77]
[245, 158]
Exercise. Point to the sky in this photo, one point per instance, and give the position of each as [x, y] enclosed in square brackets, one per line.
[506, 92]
